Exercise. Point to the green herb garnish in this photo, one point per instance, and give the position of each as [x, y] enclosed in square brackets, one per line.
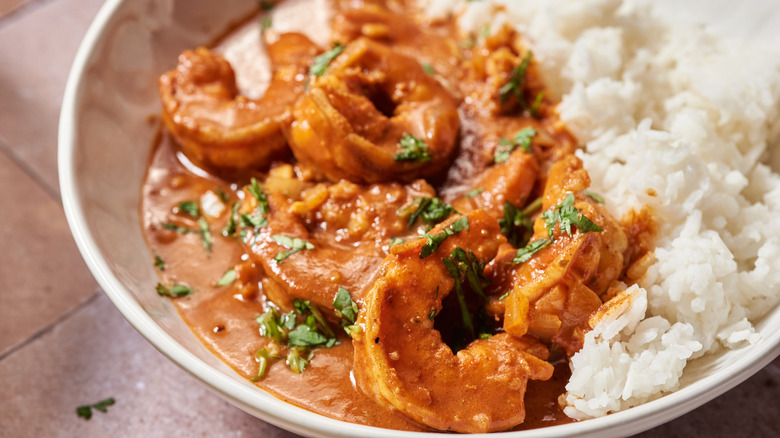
[515, 84]
[85, 412]
[594, 196]
[568, 216]
[205, 234]
[475, 192]
[434, 241]
[413, 149]
[428, 69]
[320, 64]
[525, 253]
[266, 5]
[264, 356]
[345, 307]
[175, 291]
[177, 228]
[189, 207]
[432, 210]
[516, 225]
[159, 263]
[228, 277]
[396, 241]
[293, 244]
[295, 360]
[506, 146]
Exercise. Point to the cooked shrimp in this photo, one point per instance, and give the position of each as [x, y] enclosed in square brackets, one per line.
[509, 181]
[578, 268]
[348, 226]
[217, 127]
[374, 116]
[401, 359]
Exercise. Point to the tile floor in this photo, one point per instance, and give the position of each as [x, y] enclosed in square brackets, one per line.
[62, 343]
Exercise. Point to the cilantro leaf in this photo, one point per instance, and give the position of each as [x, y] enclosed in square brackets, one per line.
[205, 234]
[228, 277]
[175, 291]
[177, 228]
[85, 411]
[506, 147]
[320, 64]
[189, 207]
[412, 149]
[305, 336]
[159, 263]
[516, 81]
[345, 307]
[513, 222]
[568, 216]
[524, 254]
[396, 241]
[293, 244]
[594, 196]
[432, 210]
[475, 192]
[262, 199]
[428, 69]
[434, 241]
[296, 362]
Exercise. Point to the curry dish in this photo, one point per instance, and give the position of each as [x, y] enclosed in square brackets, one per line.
[397, 233]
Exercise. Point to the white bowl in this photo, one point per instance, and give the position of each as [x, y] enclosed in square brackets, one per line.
[104, 142]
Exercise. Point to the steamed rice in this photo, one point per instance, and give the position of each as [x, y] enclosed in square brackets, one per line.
[678, 119]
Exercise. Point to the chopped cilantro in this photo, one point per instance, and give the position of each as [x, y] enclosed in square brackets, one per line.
[296, 362]
[175, 291]
[434, 241]
[413, 149]
[205, 234]
[594, 196]
[159, 263]
[515, 84]
[525, 253]
[265, 22]
[345, 307]
[177, 228]
[85, 412]
[293, 244]
[428, 69]
[432, 210]
[568, 216]
[230, 228]
[432, 315]
[252, 221]
[506, 147]
[305, 336]
[263, 355]
[223, 196]
[320, 64]
[266, 5]
[189, 207]
[475, 192]
[396, 241]
[228, 277]
[515, 225]
[262, 199]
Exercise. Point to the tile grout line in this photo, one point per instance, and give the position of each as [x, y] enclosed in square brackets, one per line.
[48, 328]
[29, 171]
[22, 11]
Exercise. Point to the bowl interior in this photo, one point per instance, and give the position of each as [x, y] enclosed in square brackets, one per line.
[108, 125]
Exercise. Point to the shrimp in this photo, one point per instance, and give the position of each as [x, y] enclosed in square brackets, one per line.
[375, 116]
[401, 359]
[510, 181]
[578, 268]
[214, 125]
[348, 227]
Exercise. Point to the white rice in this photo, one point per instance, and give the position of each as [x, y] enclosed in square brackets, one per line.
[681, 112]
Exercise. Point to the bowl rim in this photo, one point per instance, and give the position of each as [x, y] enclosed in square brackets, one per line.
[287, 415]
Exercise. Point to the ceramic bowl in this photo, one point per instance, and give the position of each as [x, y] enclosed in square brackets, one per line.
[104, 141]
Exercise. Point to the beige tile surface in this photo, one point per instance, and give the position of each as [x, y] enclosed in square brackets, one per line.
[42, 275]
[36, 51]
[94, 355]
